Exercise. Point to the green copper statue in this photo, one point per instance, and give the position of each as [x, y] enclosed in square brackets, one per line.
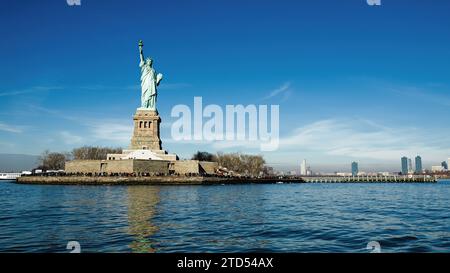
[149, 81]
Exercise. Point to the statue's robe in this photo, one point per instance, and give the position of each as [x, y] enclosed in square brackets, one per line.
[149, 81]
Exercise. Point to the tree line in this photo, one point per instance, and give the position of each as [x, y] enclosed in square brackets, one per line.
[237, 162]
[56, 161]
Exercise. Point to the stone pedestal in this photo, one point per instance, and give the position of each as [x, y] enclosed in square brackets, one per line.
[146, 130]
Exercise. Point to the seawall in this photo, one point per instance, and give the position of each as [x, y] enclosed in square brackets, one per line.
[200, 180]
[150, 180]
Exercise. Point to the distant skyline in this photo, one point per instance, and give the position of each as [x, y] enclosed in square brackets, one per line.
[354, 82]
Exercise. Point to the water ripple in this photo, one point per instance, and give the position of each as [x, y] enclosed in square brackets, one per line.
[235, 218]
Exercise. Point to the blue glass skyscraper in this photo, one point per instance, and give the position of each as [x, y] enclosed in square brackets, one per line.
[355, 168]
[404, 165]
[419, 168]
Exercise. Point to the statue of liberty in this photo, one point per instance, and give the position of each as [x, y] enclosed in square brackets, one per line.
[149, 81]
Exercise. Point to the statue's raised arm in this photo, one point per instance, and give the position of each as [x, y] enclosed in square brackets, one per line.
[141, 52]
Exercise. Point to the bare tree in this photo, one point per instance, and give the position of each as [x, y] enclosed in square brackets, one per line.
[93, 153]
[241, 163]
[53, 161]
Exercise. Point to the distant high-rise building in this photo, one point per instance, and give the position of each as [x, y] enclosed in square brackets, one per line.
[303, 168]
[444, 165]
[355, 168]
[419, 168]
[410, 169]
[404, 165]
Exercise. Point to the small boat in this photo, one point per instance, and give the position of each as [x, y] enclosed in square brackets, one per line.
[9, 176]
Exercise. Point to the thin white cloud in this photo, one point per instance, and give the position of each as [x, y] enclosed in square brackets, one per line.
[334, 139]
[70, 138]
[172, 86]
[10, 128]
[92, 87]
[283, 89]
[421, 94]
[30, 90]
[117, 132]
[360, 138]
[101, 87]
[103, 130]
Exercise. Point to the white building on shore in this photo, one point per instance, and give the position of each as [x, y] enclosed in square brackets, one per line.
[303, 168]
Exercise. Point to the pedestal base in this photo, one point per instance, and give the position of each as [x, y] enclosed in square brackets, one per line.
[146, 130]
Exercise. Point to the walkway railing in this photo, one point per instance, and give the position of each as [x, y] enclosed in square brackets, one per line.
[370, 179]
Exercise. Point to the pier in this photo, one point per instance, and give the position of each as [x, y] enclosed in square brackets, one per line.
[370, 179]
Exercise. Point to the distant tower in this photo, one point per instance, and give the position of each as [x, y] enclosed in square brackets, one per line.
[355, 169]
[404, 165]
[303, 170]
[419, 168]
[410, 169]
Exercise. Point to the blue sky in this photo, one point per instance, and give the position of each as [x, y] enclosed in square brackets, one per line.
[357, 82]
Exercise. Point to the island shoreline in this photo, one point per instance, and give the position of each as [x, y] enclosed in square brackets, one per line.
[155, 180]
[182, 180]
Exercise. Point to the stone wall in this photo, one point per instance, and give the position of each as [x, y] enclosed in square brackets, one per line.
[186, 167]
[119, 166]
[151, 166]
[83, 166]
[149, 180]
[141, 166]
[208, 167]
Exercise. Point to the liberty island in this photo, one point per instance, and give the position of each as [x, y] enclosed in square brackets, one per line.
[145, 161]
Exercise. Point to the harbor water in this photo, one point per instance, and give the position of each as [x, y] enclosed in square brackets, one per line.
[228, 218]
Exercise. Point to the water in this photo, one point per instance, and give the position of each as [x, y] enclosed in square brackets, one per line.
[234, 218]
